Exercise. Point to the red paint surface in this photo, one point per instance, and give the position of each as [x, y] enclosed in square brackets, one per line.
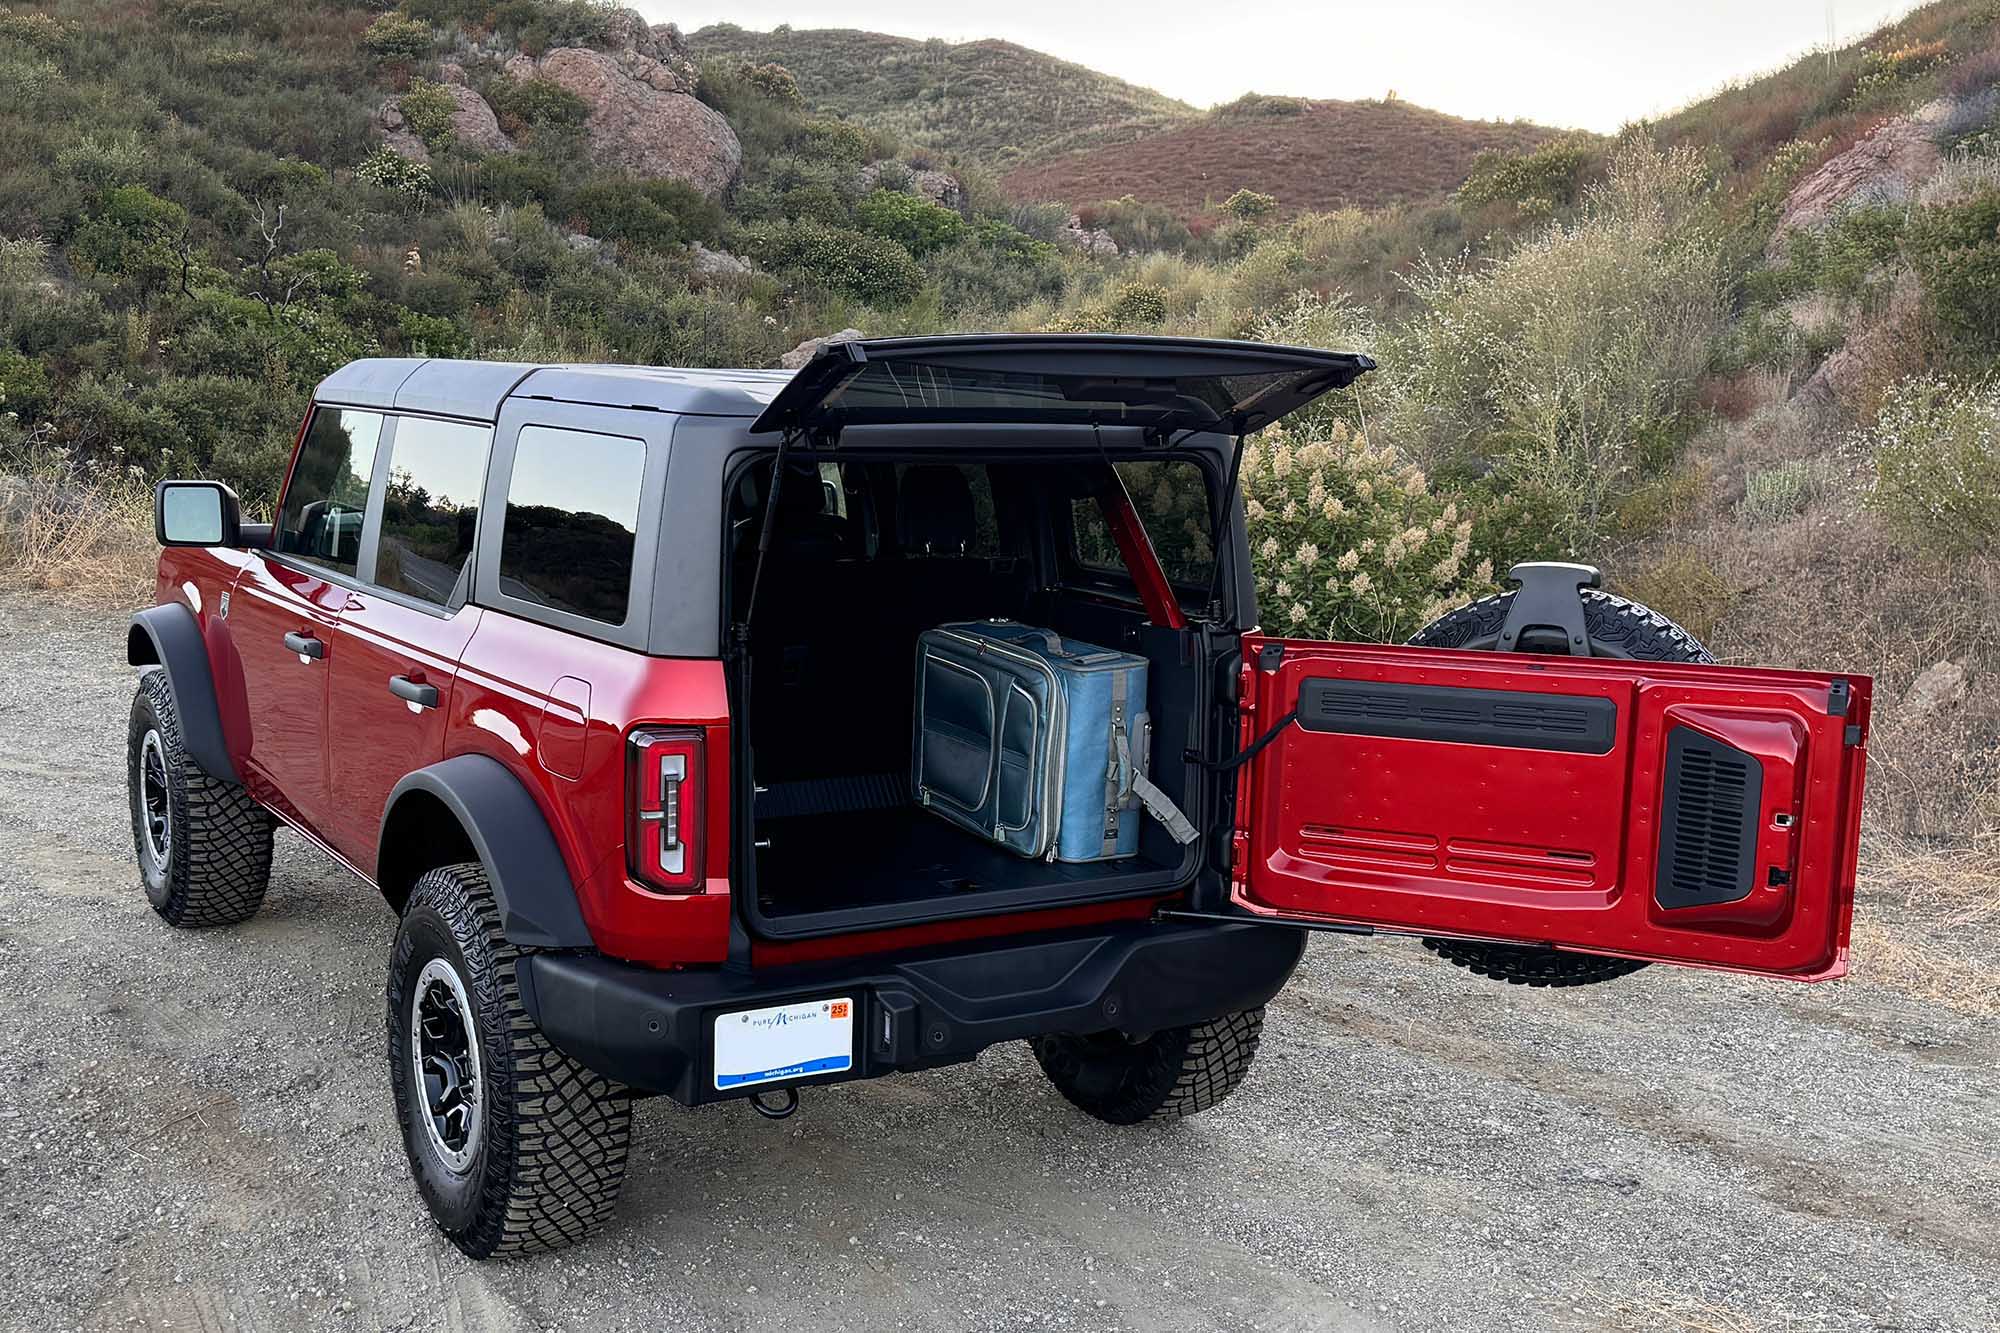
[1544, 847]
[375, 738]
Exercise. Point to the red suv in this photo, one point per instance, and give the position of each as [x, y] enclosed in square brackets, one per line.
[602, 676]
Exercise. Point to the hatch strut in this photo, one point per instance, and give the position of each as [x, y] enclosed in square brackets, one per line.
[764, 534]
[1221, 525]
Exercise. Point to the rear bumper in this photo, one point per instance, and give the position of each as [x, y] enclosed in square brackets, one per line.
[653, 1030]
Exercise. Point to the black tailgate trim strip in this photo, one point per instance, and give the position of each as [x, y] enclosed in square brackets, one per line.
[1569, 723]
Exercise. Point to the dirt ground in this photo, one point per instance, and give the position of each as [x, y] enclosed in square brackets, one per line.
[195, 1132]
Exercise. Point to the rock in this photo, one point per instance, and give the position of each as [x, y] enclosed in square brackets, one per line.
[451, 72]
[643, 116]
[1942, 685]
[809, 349]
[472, 124]
[717, 263]
[1886, 167]
[940, 187]
[397, 136]
[1091, 241]
[1868, 359]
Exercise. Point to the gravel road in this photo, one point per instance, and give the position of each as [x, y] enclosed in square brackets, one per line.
[195, 1132]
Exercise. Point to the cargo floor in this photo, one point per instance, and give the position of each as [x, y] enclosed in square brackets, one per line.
[879, 864]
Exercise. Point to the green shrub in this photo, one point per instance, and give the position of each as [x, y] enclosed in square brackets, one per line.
[873, 268]
[103, 160]
[1139, 226]
[649, 214]
[399, 40]
[987, 275]
[520, 178]
[817, 201]
[915, 223]
[1884, 73]
[44, 33]
[1550, 177]
[1774, 494]
[1570, 364]
[537, 25]
[1936, 447]
[535, 106]
[773, 81]
[1011, 243]
[132, 234]
[1350, 543]
[1956, 252]
[1260, 106]
[1138, 306]
[838, 141]
[427, 108]
[1250, 206]
[24, 385]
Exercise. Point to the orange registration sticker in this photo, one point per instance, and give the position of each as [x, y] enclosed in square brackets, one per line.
[839, 1009]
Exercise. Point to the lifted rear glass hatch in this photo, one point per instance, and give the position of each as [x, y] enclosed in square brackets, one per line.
[1159, 384]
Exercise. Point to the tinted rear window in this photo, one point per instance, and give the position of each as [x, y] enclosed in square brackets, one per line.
[572, 521]
[1171, 496]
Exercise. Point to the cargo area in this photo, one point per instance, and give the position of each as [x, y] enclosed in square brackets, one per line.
[864, 558]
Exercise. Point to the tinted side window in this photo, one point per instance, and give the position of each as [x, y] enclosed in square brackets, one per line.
[572, 521]
[328, 495]
[1171, 497]
[437, 470]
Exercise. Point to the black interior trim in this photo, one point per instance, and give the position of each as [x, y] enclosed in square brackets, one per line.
[1568, 723]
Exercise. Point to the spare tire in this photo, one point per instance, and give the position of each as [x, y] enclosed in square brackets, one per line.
[1618, 627]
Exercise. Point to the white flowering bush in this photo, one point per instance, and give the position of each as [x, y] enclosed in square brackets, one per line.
[1936, 448]
[391, 171]
[1350, 542]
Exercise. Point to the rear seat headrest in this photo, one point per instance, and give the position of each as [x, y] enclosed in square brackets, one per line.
[934, 504]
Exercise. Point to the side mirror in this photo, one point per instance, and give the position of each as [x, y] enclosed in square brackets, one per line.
[195, 513]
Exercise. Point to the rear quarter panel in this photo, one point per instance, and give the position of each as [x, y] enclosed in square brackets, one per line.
[517, 684]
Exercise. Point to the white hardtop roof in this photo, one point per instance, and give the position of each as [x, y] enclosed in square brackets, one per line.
[476, 389]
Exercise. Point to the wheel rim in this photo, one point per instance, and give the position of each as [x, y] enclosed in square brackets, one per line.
[444, 1060]
[156, 800]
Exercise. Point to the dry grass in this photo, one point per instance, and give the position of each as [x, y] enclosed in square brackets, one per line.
[1927, 928]
[87, 539]
[1331, 155]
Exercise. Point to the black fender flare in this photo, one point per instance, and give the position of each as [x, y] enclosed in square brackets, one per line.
[511, 838]
[168, 637]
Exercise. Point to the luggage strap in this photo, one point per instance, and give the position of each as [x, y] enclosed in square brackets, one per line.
[1126, 779]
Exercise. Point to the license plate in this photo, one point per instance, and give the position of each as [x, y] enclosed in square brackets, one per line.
[784, 1041]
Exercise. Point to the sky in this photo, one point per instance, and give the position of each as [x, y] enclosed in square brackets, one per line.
[1586, 64]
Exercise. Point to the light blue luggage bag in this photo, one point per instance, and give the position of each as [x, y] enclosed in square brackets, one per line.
[1035, 742]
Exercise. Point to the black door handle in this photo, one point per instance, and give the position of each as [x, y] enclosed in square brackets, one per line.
[423, 696]
[305, 645]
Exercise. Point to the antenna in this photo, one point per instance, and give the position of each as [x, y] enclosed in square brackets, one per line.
[1832, 38]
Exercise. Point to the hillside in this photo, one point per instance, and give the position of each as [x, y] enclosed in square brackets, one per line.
[1307, 155]
[990, 101]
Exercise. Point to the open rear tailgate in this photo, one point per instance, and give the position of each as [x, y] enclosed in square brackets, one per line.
[1159, 384]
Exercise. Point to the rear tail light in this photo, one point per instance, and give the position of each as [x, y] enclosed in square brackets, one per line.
[664, 802]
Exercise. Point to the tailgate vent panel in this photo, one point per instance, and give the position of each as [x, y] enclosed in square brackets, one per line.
[1708, 822]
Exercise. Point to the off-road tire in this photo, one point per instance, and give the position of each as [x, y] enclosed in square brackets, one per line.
[1173, 1073]
[553, 1136]
[1620, 628]
[216, 839]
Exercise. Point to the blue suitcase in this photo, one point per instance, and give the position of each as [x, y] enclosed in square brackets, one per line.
[1036, 743]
